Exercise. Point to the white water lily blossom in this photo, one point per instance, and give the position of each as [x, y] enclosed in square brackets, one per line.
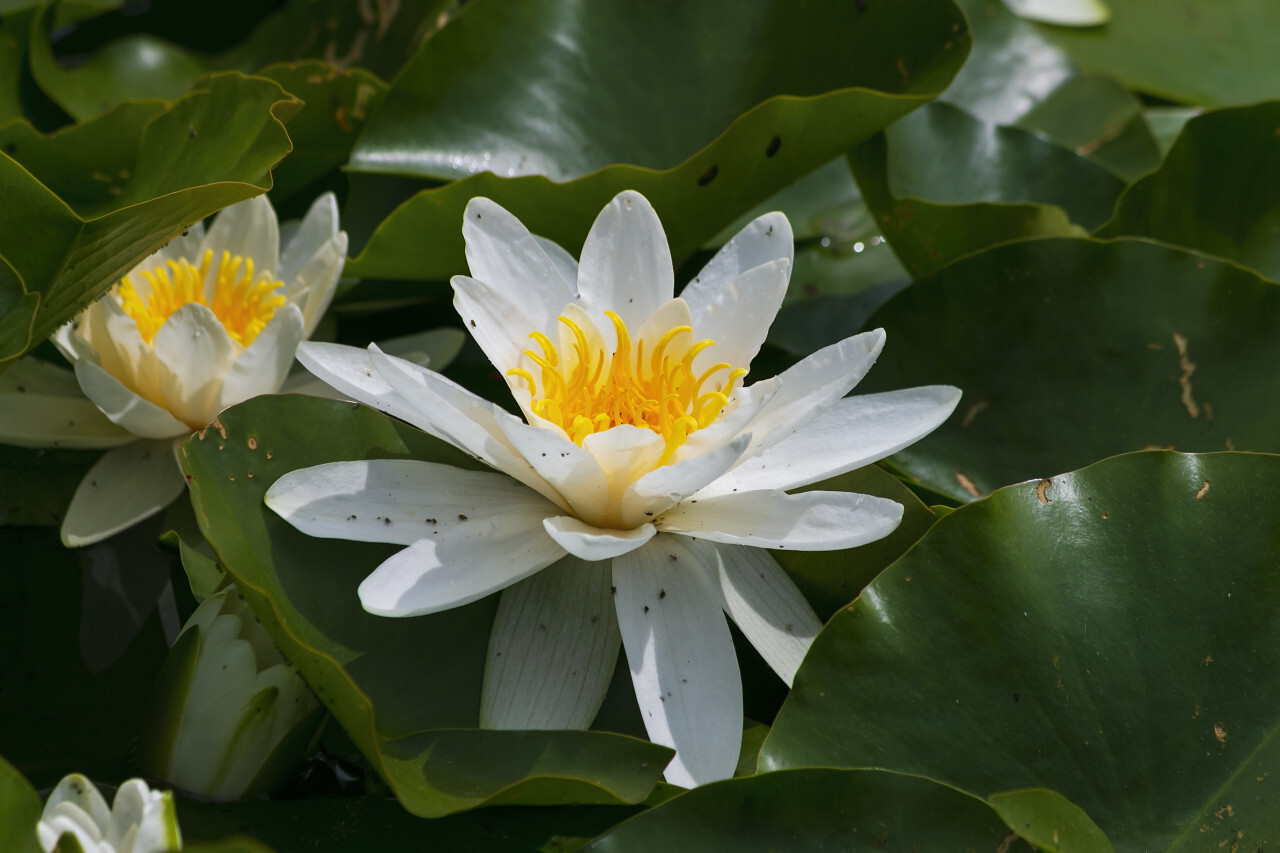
[639, 492]
[208, 321]
[140, 820]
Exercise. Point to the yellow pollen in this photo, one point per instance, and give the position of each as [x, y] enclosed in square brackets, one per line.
[649, 387]
[242, 305]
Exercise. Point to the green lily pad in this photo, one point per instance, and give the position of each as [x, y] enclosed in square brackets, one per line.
[817, 809]
[1218, 191]
[1194, 51]
[20, 808]
[1071, 350]
[211, 149]
[552, 110]
[1101, 633]
[407, 691]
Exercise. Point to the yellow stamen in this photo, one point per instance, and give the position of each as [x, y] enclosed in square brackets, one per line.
[653, 387]
[243, 306]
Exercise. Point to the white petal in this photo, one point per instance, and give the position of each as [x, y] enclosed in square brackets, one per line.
[317, 228]
[398, 500]
[766, 238]
[77, 791]
[248, 229]
[496, 323]
[42, 420]
[738, 319]
[664, 487]
[140, 417]
[30, 375]
[624, 453]
[552, 649]
[811, 385]
[66, 819]
[572, 471]
[855, 431]
[448, 411]
[262, 368]
[120, 347]
[566, 263]
[125, 486]
[764, 602]
[810, 521]
[1062, 13]
[351, 373]
[194, 353]
[681, 658]
[595, 543]
[504, 255]
[461, 565]
[746, 405]
[626, 263]
[315, 283]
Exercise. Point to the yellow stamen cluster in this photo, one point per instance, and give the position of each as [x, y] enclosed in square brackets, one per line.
[243, 306]
[656, 390]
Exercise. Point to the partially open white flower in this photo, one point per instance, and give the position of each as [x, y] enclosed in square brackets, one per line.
[638, 495]
[208, 321]
[229, 717]
[140, 820]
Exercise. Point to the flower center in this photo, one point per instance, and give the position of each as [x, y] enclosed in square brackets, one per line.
[242, 306]
[653, 387]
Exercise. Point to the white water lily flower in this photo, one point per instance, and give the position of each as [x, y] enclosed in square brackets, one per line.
[208, 321]
[229, 716]
[636, 498]
[140, 820]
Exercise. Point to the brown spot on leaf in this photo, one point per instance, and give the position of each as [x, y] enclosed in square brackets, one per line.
[967, 484]
[1203, 490]
[1042, 491]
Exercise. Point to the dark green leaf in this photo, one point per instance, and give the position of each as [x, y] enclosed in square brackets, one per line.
[815, 810]
[406, 690]
[1101, 633]
[1069, 351]
[19, 810]
[552, 108]
[1195, 51]
[1218, 191]
[214, 147]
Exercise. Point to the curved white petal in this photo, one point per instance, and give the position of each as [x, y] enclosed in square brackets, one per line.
[681, 658]
[746, 405]
[194, 353]
[766, 238]
[566, 263]
[595, 543]
[624, 453]
[626, 263]
[44, 420]
[120, 347]
[398, 500]
[248, 229]
[552, 650]
[763, 602]
[572, 471]
[313, 286]
[317, 228]
[739, 317]
[460, 565]
[140, 417]
[1062, 13]
[448, 411]
[123, 487]
[810, 521]
[663, 488]
[815, 382]
[496, 323]
[504, 255]
[853, 432]
[262, 368]
[350, 371]
[76, 790]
